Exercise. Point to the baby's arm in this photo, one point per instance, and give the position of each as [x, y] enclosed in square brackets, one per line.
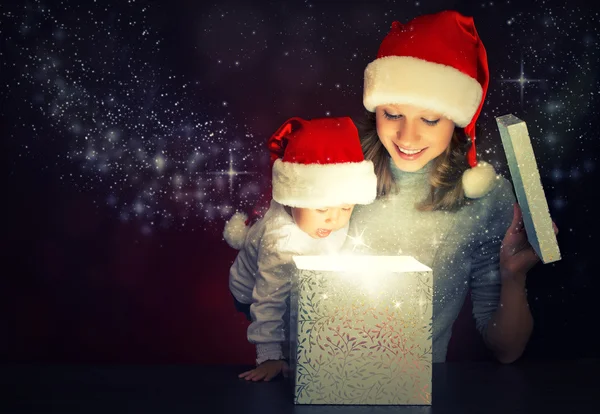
[272, 288]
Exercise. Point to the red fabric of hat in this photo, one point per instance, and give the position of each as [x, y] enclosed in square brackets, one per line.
[319, 163]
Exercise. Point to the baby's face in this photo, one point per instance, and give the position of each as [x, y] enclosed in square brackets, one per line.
[319, 223]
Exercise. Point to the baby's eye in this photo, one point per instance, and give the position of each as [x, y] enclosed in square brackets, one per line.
[432, 123]
[322, 210]
[347, 208]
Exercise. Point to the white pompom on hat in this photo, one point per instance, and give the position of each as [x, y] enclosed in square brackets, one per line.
[236, 230]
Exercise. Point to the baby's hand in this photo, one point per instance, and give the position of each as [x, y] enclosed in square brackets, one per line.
[267, 371]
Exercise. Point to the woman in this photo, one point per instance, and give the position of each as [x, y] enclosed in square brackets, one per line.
[424, 93]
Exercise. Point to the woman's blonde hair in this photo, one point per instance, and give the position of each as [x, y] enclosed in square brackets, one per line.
[446, 191]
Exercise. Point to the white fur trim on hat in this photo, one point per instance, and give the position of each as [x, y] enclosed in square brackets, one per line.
[479, 180]
[408, 80]
[236, 230]
[323, 185]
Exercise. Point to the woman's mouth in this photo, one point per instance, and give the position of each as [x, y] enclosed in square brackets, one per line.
[322, 233]
[409, 154]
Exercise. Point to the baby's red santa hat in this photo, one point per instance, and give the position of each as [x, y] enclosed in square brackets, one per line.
[438, 62]
[319, 163]
[316, 163]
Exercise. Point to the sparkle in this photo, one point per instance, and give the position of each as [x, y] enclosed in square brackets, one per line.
[231, 172]
[522, 80]
[140, 137]
[358, 241]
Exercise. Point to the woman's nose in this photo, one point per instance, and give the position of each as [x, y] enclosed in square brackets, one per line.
[408, 132]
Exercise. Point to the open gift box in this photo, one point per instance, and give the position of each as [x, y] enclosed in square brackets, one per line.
[360, 330]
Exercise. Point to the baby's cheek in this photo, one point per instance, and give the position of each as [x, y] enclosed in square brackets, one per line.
[342, 223]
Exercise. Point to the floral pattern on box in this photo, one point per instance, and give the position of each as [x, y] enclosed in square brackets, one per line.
[361, 340]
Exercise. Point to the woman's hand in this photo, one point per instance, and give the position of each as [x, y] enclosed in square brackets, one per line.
[517, 256]
[265, 371]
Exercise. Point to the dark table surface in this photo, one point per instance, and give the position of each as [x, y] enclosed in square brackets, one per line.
[476, 387]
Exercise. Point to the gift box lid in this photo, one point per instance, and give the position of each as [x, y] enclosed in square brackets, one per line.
[528, 187]
[353, 263]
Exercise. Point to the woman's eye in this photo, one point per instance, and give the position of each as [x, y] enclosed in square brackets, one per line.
[390, 116]
[428, 122]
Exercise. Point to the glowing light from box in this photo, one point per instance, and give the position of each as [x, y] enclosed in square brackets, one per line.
[350, 263]
[371, 275]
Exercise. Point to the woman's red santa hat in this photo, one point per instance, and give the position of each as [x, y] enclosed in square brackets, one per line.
[438, 62]
[316, 163]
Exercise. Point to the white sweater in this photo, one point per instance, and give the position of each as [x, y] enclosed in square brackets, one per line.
[261, 275]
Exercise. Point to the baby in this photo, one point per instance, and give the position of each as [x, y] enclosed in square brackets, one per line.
[319, 174]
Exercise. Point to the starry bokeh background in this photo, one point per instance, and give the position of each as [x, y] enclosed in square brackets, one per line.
[132, 130]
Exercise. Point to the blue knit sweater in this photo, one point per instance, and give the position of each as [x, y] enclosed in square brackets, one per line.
[461, 247]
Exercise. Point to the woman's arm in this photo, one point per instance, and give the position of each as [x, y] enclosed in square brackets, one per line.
[510, 327]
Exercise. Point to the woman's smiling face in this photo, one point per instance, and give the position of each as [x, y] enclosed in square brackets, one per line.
[413, 136]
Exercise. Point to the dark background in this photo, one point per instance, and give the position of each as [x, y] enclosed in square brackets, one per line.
[132, 130]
